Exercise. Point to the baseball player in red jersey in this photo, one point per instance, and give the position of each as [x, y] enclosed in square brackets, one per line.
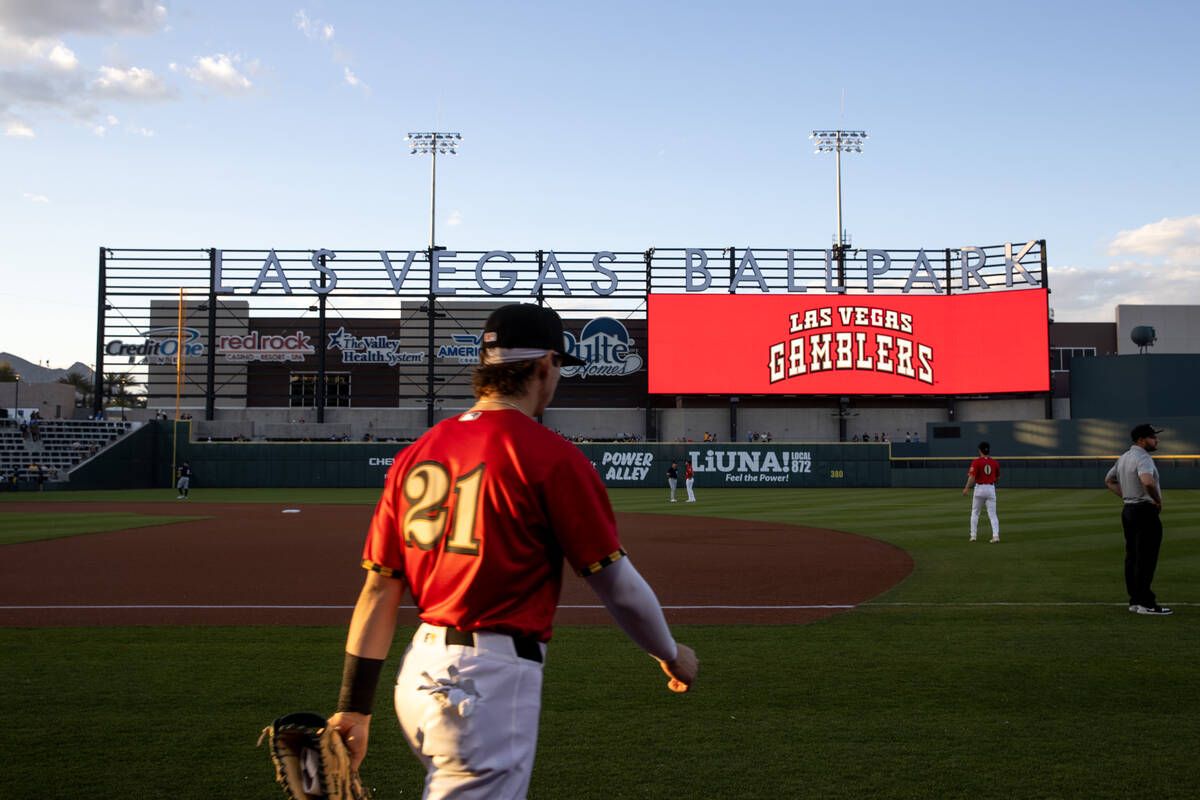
[475, 520]
[689, 480]
[983, 474]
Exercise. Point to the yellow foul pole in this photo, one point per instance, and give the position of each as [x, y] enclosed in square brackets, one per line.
[178, 384]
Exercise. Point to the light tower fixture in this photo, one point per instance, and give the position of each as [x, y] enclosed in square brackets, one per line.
[433, 142]
[837, 142]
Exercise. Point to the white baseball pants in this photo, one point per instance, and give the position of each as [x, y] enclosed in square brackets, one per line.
[470, 714]
[985, 496]
[689, 483]
[672, 482]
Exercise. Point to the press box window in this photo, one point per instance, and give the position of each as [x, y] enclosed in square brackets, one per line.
[1060, 357]
[302, 389]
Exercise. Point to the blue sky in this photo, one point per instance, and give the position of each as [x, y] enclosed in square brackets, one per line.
[616, 125]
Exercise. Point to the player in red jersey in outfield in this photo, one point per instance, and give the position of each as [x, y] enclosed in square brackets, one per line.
[475, 520]
[983, 474]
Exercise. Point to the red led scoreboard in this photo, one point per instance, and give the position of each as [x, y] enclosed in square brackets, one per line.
[981, 343]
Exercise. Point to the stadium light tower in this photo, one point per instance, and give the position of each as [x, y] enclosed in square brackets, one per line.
[836, 142]
[433, 142]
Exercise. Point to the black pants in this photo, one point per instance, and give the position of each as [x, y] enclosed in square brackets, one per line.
[1143, 537]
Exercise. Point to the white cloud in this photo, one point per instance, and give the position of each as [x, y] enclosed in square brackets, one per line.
[1156, 263]
[313, 28]
[36, 198]
[38, 52]
[18, 129]
[146, 132]
[323, 32]
[220, 72]
[53, 17]
[133, 83]
[40, 76]
[354, 80]
[1174, 240]
[455, 219]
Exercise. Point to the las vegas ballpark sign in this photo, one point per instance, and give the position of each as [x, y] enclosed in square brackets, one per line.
[837, 344]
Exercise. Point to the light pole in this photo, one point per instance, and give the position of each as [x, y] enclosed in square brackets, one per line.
[433, 142]
[835, 142]
[419, 143]
[17, 394]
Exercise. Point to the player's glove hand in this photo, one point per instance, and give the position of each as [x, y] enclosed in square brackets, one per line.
[682, 670]
[311, 760]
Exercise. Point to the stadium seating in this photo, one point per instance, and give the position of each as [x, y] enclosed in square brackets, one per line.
[60, 446]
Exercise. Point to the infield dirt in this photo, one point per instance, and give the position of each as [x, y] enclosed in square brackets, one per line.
[251, 564]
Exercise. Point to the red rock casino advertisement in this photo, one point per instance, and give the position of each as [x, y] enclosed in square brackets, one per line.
[990, 343]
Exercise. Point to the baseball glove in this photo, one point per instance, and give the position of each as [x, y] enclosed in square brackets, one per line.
[311, 760]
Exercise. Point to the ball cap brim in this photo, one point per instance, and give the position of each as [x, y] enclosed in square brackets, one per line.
[524, 326]
[1144, 430]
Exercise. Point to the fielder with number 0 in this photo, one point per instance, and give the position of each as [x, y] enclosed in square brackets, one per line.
[983, 474]
[475, 520]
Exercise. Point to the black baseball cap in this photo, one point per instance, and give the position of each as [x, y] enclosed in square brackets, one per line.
[523, 331]
[1143, 431]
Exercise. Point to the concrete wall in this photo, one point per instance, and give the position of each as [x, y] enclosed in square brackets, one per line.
[1056, 437]
[599, 423]
[1143, 387]
[52, 400]
[1000, 409]
[815, 421]
[1177, 328]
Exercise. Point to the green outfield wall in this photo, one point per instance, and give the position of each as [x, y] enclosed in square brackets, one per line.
[147, 457]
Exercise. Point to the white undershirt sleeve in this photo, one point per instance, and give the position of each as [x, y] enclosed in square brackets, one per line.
[635, 608]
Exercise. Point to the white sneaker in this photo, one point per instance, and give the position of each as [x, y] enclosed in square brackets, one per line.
[673, 500]
[972, 538]
[180, 497]
[1135, 608]
[994, 539]
[1156, 611]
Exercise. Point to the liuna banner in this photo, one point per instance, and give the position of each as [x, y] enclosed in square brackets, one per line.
[741, 465]
[991, 343]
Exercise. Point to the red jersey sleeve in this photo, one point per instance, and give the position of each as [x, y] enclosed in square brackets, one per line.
[383, 551]
[580, 514]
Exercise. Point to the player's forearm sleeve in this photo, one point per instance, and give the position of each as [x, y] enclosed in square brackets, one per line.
[635, 607]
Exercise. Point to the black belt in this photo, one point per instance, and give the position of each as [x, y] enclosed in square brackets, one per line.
[527, 647]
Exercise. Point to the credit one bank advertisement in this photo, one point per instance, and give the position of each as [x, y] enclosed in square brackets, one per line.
[859, 344]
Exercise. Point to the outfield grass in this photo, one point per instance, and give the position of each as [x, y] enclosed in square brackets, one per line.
[31, 526]
[994, 671]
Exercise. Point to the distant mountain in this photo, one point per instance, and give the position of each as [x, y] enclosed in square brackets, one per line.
[32, 373]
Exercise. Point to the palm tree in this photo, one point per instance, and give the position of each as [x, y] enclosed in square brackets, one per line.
[121, 390]
[83, 388]
[7, 373]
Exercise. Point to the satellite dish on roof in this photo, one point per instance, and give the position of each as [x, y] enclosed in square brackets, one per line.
[1143, 336]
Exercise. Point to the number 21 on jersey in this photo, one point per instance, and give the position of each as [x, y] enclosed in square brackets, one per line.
[427, 488]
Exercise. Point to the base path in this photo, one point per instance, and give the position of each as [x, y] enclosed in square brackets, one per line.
[252, 564]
